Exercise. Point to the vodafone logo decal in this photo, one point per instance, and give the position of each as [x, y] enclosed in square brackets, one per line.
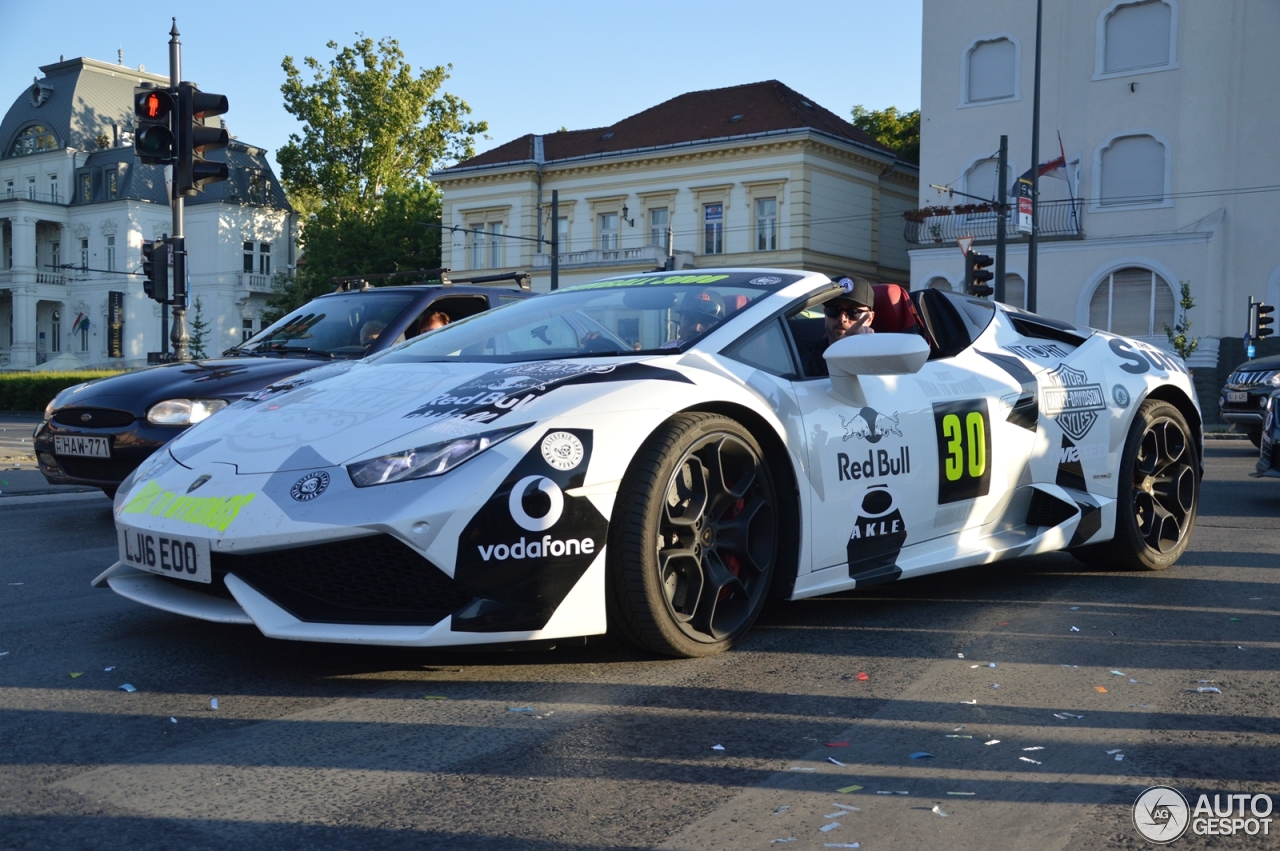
[535, 489]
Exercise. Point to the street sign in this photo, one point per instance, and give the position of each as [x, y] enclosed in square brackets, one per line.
[964, 242]
[1024, 205]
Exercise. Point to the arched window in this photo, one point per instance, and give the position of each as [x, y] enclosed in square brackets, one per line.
[1015, 291]
[1136, 37]
[1135, 302]
[991, 71]
[1133, 171]
[33, 140]
[939, 283]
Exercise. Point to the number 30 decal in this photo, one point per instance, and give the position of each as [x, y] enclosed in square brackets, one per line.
[964, 449]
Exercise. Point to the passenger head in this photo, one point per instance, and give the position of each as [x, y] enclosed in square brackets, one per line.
[432, 321]
[851, 311]
[370, 331]
[699, 311]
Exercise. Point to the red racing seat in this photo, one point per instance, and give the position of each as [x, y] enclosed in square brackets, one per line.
[895, 314]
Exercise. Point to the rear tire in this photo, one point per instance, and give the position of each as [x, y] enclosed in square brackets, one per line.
[1159, 493]
[694, 538]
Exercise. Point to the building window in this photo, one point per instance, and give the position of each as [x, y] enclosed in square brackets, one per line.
[766, 224]
[113, 184]
[257, 187]
[1015, 291]
[264, 258]
[55, 333]
[608, 231]
[248, 258]
[939, 283]
[33, 140]
[83, 333]
[1137, 37]
[1133, 171]
[84, 254]
[477, 247]
[1135, 302]
[53, 189]
[991, 71]
[55, 254]
[659, 221]
[31, 188]
[713, 229]
[495, 245]
[562, 233]
[246, 329]
[8, 189]
[111, 253]
[86, 188]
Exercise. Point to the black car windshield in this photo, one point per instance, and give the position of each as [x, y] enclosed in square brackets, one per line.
[653, 314]
[344, 325]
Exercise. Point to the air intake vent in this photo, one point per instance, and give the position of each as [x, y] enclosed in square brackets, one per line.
[1049, 511]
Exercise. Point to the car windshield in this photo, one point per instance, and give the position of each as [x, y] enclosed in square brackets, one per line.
[653, 314]
[337, 325]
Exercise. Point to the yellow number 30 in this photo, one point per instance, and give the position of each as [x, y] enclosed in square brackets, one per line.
[975, 430]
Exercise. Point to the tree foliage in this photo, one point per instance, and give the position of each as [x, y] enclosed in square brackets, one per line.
[900, 132]
[372, 132]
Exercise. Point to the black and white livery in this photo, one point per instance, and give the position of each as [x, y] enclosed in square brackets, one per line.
[646, 456]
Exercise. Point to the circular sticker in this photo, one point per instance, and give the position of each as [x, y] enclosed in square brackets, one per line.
[309, 486]
[1160, 814]
[543, 496]
[1120, 395]
[765, 281]
[562, 450]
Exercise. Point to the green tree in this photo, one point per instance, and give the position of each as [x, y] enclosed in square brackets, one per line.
[1178, 335]
[372, 132]
[900, 132]
[199, 331]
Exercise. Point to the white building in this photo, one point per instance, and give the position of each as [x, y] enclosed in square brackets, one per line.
[1168, 116]
[753, 175]
[76, 205]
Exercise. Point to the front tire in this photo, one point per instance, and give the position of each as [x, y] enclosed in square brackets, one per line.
[1159, 491]
[694, 538]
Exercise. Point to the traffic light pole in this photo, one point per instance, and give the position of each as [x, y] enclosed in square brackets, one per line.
[1002, 215]
[178, 336]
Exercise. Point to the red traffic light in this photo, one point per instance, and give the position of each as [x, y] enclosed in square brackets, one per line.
[152, 104]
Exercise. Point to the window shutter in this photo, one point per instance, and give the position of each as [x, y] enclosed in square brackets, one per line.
[939, 284]
[1015, 291]
[1164, 306]
[1131, 302]
[1133, 171]
[1099, 306]
[982, 180]
[991, 70]
[1138, 37]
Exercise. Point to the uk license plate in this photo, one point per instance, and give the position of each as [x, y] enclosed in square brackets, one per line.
[168, 555]
[1237, 396]
[89, 447]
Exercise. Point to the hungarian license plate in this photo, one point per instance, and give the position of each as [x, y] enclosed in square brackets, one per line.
[1237, 396]
[168, 555]
[89, 447]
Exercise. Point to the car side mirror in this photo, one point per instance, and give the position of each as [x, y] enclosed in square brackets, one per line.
[876, 354]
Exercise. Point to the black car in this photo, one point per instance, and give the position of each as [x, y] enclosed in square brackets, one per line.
[1244, 399]
[97, 433]
[1269, 450]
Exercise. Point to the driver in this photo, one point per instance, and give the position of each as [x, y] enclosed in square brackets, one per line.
[370, 331]
[699, 312]
[845, 315]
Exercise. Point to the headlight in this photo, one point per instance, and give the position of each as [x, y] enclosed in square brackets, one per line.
[184, 411]
[1274, 380]
[435, 459]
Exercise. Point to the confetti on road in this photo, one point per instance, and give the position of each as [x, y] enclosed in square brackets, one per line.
[837, 744]
[717, 747]
[788, 839]
[837, 814]
[1003, 623]
[937, 809]
[954, 736]
[959, 655]
[834, 761]
[971, 667]
[847, 789]
[213, 703]
[841, 845]
[801, 768]
[109, 670]
[1114, 751]
[780, 810]
[848, 807]
[174, 720]
[995, 685]
[1100, 689]
[969, 702]
[1065, 715]
[75, 674]
[1075, 629]
[862, 675]
[1074, 609]
[519, 708]
[1119, 673]
[1206, 690]
[922, 755]
[1030, 760]
[892, 793]
[5, 653]
[962, 793]
[435, 697]
[1119, 757]
[991, 665]
[1068, 666]
[992, 742]
[827, 828]
[1035, 748]
[128, 688]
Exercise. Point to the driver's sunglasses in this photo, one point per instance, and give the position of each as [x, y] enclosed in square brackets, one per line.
[833, 312]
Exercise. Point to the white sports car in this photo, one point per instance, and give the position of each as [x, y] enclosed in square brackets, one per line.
[654, 455]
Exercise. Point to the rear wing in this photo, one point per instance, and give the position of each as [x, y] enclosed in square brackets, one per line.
[435, 277]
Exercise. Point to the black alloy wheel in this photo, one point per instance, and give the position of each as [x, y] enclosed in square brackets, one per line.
[694, 541]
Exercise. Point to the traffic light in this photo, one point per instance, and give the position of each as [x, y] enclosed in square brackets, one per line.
[976, 274]
[155, 269]
[1263, 320]
[192, 171]
[153, 138]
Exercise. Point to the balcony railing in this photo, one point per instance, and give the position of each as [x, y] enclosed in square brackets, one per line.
[646, 254]
[51, 278]
[16, 194]
[255, 283]
[6, 277]
[944, 225]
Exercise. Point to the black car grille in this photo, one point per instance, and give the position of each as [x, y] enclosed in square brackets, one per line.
[1250, 377]
[97, 469]
[97, 417]
[366, 580]
[1048, 511]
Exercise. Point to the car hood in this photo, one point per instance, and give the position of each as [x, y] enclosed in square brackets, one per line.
[1259, 364]
[349, 411]
[224, 378]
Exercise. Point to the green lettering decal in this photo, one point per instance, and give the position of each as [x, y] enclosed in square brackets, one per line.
[139, 502]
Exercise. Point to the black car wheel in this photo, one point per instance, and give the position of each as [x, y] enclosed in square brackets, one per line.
[694, 539]
[1159, 493]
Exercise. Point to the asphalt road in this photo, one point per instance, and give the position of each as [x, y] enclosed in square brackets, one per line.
[325, 747]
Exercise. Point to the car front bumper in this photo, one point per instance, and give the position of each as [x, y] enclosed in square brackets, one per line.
[130, 444]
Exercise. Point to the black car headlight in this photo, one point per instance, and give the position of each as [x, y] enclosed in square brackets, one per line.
[435, 459]
[184, 411]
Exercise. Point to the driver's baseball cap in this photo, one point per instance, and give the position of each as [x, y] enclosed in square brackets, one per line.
[857, 291]
[705, 302]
